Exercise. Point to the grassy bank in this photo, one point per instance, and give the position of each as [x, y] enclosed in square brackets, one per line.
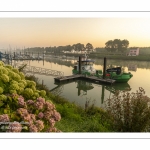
[141, 57]
[126, 112]
[76, 119]
[122, 57]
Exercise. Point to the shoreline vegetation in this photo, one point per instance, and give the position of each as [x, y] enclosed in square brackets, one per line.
[133, 117]
[75, 118]
[125, 112]
[107, 55]
[99, 52]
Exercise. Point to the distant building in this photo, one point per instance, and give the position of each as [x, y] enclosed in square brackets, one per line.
[133, 52]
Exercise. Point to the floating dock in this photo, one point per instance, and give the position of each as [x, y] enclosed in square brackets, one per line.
[90, 78]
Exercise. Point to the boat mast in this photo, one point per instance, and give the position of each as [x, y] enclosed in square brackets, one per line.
[85, 55]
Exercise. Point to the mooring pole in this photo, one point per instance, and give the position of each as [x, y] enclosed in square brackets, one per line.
[79, 64]
[102, 95]
[14, 56]
[42, 83]
[104, 68]
[43, 58]
[8, 59]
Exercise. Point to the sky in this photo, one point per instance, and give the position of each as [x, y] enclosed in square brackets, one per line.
[20, 32]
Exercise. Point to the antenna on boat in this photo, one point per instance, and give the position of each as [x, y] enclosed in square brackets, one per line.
[85, 55]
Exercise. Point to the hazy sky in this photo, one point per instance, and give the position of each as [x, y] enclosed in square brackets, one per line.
[45, 32]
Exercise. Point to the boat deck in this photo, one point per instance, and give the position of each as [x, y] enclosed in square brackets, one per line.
[91, 78]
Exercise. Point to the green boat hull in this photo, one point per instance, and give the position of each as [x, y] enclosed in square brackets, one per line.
[121, 78]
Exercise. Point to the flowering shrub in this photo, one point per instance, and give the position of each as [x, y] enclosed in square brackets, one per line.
[130, 112]
[23, 108]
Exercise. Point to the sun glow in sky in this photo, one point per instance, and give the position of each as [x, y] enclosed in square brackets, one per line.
[45, 32]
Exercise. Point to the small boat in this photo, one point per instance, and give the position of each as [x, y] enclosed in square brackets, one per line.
[87, 69]
[118, 75]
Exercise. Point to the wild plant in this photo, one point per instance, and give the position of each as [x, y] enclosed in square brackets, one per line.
[130, 112]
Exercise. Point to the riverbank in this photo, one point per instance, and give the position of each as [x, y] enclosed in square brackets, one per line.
[133, 117]
[76, 119]
[107, 55]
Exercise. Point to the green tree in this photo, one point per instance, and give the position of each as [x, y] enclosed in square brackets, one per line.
[89, 47]
[109, 46]
[124, 45]
[78, 46]
[116, 45]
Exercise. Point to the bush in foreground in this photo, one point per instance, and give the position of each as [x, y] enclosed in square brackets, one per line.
[130, 112]
[23, 108]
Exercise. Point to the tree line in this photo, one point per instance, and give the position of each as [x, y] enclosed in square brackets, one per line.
[116, 45]
[76, 47]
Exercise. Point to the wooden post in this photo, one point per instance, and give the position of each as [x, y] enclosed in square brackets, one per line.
[42, 83]
[14, 55]
[43, 55]
[104, 67]
[43, 58]
[102, 94]
[8, 59]
[79, 64]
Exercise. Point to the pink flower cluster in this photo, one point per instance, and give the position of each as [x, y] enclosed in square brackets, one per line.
[38, 105]
[49, 106]
[14, 95]
[53, 129]
[56, 115]
[4, 118]
[14, 127]
[40, 99]
[30, 102]
[37, 126]
[21, 102]
[39, 115]
[47, 114]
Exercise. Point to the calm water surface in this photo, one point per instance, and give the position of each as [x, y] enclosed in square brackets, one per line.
[80, 92]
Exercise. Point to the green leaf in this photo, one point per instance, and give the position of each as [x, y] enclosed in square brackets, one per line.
[1, 103]
[5, 111]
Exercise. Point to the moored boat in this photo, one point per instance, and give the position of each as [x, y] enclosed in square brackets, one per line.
[118, 75]
[86, 68]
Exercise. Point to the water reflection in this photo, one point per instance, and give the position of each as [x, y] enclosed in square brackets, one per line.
[69, 61]
[83, 87]
[118, 86]
[82, 91]
[132, 67]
